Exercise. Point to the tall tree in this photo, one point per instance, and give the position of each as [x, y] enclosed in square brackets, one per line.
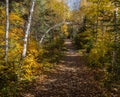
[28, 29]
[116, 32]
[7, 31]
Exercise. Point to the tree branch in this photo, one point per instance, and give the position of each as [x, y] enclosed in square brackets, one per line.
[57, 25]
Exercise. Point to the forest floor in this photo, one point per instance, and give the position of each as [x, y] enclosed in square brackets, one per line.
[70, 78]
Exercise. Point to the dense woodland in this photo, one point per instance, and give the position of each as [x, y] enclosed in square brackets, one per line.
[32, 36]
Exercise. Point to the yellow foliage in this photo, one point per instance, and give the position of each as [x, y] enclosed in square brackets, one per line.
[101, 47]
[30, 67]
[2, 30]
[15, 51]
[64, 29]
[13, 16]
[2, 20]
[2, 12]
[16, 33]
[15, 19]
[59, 8]
[16, 46]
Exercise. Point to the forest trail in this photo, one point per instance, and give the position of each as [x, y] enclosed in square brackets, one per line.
[70, 78]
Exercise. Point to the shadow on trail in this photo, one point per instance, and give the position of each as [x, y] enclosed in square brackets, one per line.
[72, 61]
[70, 78]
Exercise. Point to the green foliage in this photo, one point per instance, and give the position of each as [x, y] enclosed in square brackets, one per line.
[99, 54]
[8, 80]
[114, 71]
[51, 52]
[82, 40]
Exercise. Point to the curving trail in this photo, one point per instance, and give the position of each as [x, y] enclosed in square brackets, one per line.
[71, 78]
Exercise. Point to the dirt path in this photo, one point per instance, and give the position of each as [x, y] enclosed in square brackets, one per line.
[71, 78]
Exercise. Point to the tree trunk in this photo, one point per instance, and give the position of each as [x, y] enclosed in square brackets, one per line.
[7, 31]
[115, 37]
[28, 29]
[102, 28]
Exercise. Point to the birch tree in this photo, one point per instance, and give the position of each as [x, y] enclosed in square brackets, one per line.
[7, 31]
[28, 29]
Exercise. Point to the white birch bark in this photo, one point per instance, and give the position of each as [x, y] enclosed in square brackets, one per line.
[7, 31]
[28, 29]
